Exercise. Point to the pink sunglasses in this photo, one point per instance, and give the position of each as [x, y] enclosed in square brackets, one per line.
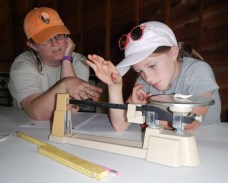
[135, 35]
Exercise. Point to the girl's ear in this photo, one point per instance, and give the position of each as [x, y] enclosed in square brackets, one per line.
[174, 51]
[31, 45]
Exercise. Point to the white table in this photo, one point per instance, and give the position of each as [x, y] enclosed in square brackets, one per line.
[20, 161]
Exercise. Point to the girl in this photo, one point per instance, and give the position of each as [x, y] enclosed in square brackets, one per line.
[152, 51]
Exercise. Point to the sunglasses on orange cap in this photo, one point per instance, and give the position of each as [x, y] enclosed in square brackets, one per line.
[135, 35]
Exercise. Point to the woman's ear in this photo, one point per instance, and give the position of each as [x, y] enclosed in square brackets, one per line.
[174, 51]
[31, 45]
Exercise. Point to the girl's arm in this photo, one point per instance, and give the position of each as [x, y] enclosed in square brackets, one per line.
[108, 74]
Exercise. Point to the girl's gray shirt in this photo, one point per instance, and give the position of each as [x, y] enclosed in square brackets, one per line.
[195, 78]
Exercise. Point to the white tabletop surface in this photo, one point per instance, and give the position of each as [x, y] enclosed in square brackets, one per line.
[20, 161]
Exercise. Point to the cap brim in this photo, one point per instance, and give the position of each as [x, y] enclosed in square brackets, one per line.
[132, 59]
[45, 34]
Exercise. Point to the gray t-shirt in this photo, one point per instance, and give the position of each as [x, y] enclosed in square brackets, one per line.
[25, 79]
[196, 77]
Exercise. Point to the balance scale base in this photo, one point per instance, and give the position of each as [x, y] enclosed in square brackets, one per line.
[165, 147]
[159, 146]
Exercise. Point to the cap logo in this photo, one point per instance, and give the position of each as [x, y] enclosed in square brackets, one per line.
[45, 18]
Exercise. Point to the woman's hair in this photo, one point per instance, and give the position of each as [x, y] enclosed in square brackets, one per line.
[36, 56]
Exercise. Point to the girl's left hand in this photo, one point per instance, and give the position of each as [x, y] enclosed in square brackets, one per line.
[139, 95]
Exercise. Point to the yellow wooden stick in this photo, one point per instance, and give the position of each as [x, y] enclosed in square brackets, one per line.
[87, 168]
[30, 139]
[78, 164]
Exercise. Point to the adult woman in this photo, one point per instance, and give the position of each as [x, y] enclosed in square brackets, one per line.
[50, 67]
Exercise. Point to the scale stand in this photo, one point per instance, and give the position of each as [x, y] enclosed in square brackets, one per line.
[165, 147]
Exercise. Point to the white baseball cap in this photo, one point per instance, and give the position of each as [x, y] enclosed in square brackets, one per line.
[155, 34]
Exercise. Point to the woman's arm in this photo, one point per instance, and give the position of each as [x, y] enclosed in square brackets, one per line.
[67, 69]
[40, 106]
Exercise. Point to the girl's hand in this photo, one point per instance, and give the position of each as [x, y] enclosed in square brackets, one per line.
[139, 95]
[104, 70]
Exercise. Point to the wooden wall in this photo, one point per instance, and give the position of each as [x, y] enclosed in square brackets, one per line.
[96, 26]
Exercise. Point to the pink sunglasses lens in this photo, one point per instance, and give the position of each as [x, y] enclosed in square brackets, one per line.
[123, 42]
[136, 33]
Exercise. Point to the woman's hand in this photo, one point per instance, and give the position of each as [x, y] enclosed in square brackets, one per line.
[79, 89]
[70, 47]
[104, 70]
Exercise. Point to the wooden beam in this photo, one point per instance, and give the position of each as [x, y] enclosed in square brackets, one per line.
[107, 29]
[136, 11]
[80, 25]
[201, 25]
[167, 12]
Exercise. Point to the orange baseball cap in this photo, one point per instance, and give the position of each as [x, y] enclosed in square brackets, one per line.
[42, 23]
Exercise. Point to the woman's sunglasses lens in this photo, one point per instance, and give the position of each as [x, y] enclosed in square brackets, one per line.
[136, 33]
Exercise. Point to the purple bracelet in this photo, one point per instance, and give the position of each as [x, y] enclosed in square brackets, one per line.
[68, 58]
